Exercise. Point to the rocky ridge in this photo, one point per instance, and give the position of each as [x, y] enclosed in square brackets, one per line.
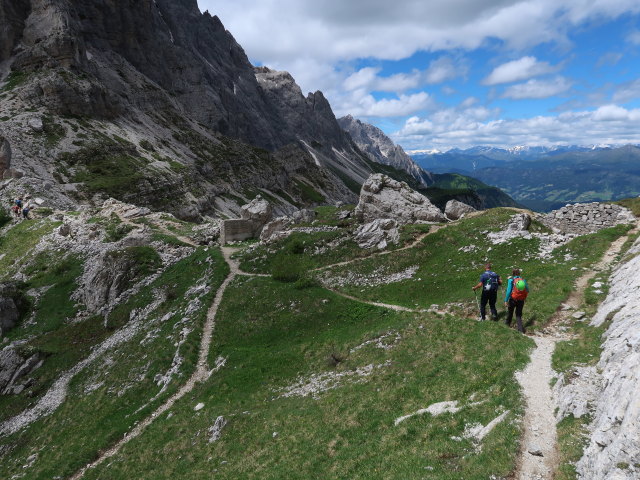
[161, 100]
[381, 149]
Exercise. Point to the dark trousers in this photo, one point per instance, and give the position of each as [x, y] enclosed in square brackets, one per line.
[516, 305]
[491, 297]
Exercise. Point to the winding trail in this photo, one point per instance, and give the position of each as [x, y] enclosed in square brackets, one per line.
[434, 228]
[201, 374]
[538, 457]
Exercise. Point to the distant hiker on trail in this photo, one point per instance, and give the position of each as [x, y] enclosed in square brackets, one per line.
[16, 210]
[25, 212]
[517, 291]
[19, 202]
[489, 282]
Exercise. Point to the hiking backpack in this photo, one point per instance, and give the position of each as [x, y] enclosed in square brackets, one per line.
[519, 288]
[492, 283]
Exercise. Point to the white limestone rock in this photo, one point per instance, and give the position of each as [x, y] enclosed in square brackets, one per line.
[377, 234]
[383, 197]
[455, 209]
[615, 429]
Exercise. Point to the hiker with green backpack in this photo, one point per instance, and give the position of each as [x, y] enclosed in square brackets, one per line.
[489, 282]
[517, 291]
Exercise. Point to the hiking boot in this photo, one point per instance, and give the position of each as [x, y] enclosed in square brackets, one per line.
[494, 318]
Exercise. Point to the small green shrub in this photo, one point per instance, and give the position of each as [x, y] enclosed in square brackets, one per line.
[286, 268]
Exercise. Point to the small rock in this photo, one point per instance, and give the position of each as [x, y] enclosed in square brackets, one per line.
[198, 407]
[535, 450]
[35, 124]
[578, 315]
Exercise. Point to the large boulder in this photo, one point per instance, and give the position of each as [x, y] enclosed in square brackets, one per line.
[455, 209]
[377, 234]
[112, 273]
[12, 303]
[259, 212]
[383, 197]
[14, 368]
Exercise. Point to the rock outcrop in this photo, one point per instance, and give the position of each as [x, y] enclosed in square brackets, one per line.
[377, 234]
[258, 212]
[13, 370]
[383, 197]
[581, 218]
[455, 210]
[5, 156]
[12, 303]
[614, 443]
[381, 149]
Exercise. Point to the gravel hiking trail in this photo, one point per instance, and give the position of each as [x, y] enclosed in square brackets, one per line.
[434, 228]
[201, 374]
[538, 456]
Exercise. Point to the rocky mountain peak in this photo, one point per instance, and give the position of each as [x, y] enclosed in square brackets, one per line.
[381, 149]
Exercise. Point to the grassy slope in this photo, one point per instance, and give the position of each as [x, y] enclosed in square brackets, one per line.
[105, 399]
[274, 333]
[446, 273]
[348, 432]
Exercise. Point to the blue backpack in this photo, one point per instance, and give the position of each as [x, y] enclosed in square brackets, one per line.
[492, 283]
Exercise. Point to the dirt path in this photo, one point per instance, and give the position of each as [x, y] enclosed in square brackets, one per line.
[432, 230]
[538, 458]
[202, 372]
[397, 308]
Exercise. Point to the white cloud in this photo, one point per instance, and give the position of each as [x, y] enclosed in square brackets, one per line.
[516, 70]
[439, 71]
[537, 89]
[361, 104]
[615, 113]
[369, 79]
[609, 124]
[634, 37]
[627, 92]
[443, 69]
[281, 32]
[611, 58]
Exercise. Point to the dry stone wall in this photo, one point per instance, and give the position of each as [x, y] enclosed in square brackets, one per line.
[583, 218]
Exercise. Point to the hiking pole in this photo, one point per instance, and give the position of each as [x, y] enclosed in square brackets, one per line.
[478, 302]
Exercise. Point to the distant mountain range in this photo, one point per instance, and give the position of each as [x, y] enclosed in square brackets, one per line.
[544, 178]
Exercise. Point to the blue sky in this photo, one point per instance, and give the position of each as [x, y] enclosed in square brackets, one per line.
[440, 74]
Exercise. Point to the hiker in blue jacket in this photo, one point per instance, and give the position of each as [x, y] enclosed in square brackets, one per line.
[516, 294]
[489, 282]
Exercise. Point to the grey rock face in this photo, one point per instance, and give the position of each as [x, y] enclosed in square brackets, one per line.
[614, 439]
[303, 216]
[455, 209]
[582, 218]
[381, 149]
[377, 234]
[271, 229]
[383, 197]
[148, 69]
[11, 301]
[110, 274]
[5, 155]
[13, 369]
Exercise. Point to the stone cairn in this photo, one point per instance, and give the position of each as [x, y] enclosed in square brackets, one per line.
[583, 218]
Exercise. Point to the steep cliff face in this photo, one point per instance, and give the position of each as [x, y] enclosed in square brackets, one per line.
[381, 149]
[177, 88]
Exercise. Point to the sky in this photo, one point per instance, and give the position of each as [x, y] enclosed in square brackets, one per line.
[443, 74]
